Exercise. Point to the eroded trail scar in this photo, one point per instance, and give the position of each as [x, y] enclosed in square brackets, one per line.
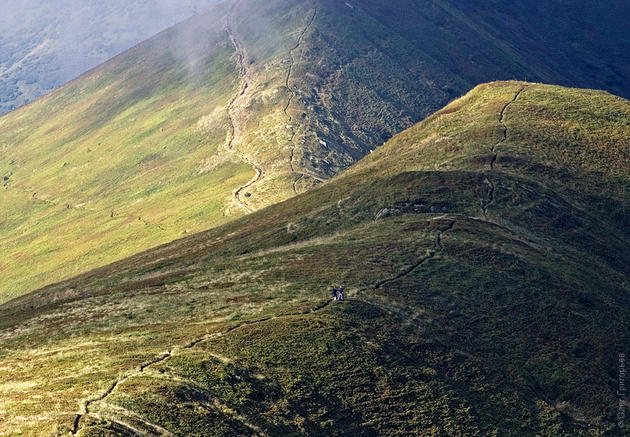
[232, 105]
[68, 206]
[494, 155]
[437, 248]
[292, 93]
[85, 405]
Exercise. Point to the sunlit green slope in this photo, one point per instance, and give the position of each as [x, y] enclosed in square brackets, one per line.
[484, 254]
[250, 104]
[135, 153]
[196, 126]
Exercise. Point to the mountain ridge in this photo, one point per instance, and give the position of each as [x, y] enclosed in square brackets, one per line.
[459, 309]
[136, 147]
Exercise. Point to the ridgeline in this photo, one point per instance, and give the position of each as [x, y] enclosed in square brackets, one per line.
[484, 256]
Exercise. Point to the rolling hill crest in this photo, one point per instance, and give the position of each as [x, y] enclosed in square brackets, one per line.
[484, 256]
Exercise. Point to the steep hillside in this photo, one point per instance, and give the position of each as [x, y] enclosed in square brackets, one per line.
[250, 104]
[484, 253]
[44, 44]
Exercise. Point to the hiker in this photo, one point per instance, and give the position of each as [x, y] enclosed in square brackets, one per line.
[334, 293]
[340, 293]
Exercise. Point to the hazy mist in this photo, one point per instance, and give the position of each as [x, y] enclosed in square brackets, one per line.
[45, 43]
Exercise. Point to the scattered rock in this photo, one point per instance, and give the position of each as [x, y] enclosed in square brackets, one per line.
[407, 207]
[386, 212]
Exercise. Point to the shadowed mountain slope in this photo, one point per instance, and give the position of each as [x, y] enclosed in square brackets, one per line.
[250, 104]
[484, 254]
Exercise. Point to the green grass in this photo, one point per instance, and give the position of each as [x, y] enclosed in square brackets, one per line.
[456, 323]
[144, 134]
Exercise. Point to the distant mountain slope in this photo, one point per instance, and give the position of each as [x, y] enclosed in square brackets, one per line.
[247, 105]
[44, 44]
[485, 259]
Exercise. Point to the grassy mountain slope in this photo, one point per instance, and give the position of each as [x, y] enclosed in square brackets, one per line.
[237, 109]
[484, 254]
[135, 153]
[91, 171]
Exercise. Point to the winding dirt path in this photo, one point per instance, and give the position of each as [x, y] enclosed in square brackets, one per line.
[216, 402]
[69, 206]
[293, 94]
[231, 107]
[432, 253]
[86, 404]
[145, 367]
[493, 150]
[156, 430]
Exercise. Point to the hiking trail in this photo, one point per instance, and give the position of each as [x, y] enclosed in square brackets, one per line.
[231, 108]
[293, 94]
[145, 369]
[437, 248]
[432, 253]
[84, 410]
[70, 206]
[494, 155]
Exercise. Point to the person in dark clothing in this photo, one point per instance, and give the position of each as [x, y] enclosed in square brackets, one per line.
[340, 293]
[334, 293]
